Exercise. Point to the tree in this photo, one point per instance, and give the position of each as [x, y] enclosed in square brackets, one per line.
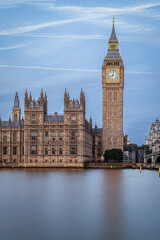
[113, 154]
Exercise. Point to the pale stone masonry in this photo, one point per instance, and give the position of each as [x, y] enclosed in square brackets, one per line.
[68, 140]
[153, 141]
[113, 84]
[49, 140]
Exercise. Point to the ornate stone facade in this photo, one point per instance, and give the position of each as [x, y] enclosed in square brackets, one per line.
[68, 140]
[113, 83]
[48, 140]
[153, 141]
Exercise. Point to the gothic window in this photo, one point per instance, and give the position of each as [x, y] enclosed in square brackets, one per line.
[60, 135]
[33, 149]
[99, 152]
[5, 137]
[53, 135]
[15, 117]
[33, 117]
[115, 110]
[4, 150]
[53, 150]
[73, 135]
[14, 150]
[73, 118]
[46, 136]
[60, 150]
[73, 149]
[115, 96]
[70, 161]
[33, 135]
[75, 161]
[46, 150]
[109, 96]
[99, 140]
[14, 136]
[109, 110]
[23, 150]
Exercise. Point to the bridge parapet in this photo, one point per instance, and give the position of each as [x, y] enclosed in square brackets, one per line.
[151, 158]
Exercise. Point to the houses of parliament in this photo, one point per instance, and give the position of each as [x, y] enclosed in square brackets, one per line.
[68, 140]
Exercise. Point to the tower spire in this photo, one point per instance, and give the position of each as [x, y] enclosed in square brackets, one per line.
[113, 37]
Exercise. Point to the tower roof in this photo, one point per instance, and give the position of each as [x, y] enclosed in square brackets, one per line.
[113, 37]
[113, 50]
[16, 101]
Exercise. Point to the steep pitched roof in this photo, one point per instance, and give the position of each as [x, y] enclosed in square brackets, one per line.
[113, 37]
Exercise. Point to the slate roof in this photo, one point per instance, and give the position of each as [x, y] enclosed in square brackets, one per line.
[14, 124]
[98, 130]
[113, 37]
[113, 55]
[54, 118]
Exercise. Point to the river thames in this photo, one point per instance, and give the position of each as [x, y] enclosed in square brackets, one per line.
[79, 204]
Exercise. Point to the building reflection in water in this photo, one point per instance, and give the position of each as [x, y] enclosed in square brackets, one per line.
[112, 201]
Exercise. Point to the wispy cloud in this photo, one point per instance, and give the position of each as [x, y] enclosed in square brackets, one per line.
[90, 37]
[50, 68]
[71, 69]
[11, 3]
[35, 27]
[83, 14]
[13, 47]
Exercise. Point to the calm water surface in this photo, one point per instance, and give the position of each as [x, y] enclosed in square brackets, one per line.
[81, 204]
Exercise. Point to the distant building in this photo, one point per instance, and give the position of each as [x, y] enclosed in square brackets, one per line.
[140, 157]
[126, 140]
[129, 157]
[153, 141]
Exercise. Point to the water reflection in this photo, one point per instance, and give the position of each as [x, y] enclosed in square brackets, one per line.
[79, 204]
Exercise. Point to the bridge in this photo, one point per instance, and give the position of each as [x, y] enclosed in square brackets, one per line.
[152, 160]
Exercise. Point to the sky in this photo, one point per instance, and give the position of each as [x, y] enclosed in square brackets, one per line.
[58, 44]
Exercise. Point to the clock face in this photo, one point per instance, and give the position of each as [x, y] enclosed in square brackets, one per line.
[112, 75]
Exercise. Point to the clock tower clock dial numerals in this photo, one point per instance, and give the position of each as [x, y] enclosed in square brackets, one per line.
[112, 75]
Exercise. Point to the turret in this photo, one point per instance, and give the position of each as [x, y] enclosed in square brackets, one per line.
[74, 108]
[16, 110]
[82, 100]
[41, 97]
[45, 104]
[26, 99]
[35, 109]
[66, 99]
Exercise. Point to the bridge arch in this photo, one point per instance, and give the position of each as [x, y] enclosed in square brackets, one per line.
[149, 162]
[157, 161]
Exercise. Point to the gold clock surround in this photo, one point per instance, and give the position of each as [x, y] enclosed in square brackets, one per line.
[110, 81]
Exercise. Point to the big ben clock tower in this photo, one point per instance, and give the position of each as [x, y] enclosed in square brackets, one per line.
[113, 83]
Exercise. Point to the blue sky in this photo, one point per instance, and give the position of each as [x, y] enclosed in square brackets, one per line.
[61, 44]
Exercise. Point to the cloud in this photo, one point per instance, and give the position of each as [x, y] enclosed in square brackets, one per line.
[94, 15]
[71, 69]
[13, 47]
[35, 27]
[11, 3]
[50, 68]
[90, 37]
